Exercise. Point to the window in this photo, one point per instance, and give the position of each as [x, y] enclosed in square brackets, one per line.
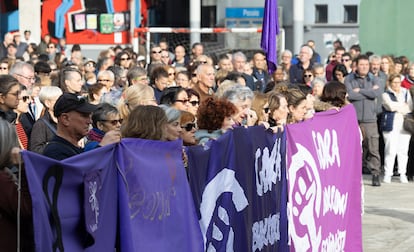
[321, 13]
[351, 14]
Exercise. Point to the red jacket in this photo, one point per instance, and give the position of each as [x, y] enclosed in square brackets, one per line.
[407, 83]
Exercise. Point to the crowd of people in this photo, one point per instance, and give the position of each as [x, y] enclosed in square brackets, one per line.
[55, 102]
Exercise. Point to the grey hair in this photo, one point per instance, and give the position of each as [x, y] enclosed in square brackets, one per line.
[202, 67]
[238, 93]
[317, 65]
[171, 113]
[287, 51]
[134, 72]
[49, 93]
[318, 80]
[310, 50]
[8, 141]
[374, 57]
[18, 67]
[239, 54]
[106, 73]
[102, 112]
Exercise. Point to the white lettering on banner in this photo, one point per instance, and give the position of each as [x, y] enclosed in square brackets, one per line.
[151, 206]
[304, 200]
[334, 243]
[224, 181]
[271, 168]
[334, 201]
[93, 200]
[326, 148]
[266, 232]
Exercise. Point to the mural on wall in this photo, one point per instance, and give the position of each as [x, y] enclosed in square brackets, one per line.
[347, 39]
[88, 21]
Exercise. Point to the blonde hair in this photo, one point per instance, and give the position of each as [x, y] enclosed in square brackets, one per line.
[132, 97]
[259, 100]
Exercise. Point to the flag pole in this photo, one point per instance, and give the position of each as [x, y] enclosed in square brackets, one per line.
[19, 199]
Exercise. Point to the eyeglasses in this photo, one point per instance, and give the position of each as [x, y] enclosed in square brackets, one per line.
[113, 122]
[171, 73]
[25, 98]
[27, 78]
[15, 94]
[182, 101]
[125, 59]
[266, 110]
[156, 52]
[189, 126]
[194, 103]
[105, 80]
[308, 75]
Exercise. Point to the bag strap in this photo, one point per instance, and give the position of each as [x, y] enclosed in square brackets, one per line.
[50, 126]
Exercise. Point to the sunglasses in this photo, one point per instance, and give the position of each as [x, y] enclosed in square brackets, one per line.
[125, 59]
[25, 98]
[266, 110]
[194, 103]
[308, 75]
[113, 122]
[171, 73]
[189, 126]
[156, 51]
[182, 101]
[3, 68]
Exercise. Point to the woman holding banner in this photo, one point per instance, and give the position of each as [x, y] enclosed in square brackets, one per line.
[297, 102]
[214, 117]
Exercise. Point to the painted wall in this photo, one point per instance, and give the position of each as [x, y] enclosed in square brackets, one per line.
[388, 29]
[87, 21]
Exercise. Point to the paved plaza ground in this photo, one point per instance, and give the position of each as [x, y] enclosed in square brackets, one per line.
[388, 222]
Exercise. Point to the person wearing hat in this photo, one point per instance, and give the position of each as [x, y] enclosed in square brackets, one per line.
[89, 66]
[74, 118]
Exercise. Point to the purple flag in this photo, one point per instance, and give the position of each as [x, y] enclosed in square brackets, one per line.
[324, 182]
[270, 29]
[156, 207]
[73, 201]
[239, 188]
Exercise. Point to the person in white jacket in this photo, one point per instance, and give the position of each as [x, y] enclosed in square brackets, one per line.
[398, 100]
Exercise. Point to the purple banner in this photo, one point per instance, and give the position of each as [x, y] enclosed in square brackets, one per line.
[136, 192]
[324, 182]
[73, 201]
[153, 183]
[239, 188]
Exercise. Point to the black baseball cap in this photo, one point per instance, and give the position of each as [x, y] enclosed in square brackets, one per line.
[71, 102]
